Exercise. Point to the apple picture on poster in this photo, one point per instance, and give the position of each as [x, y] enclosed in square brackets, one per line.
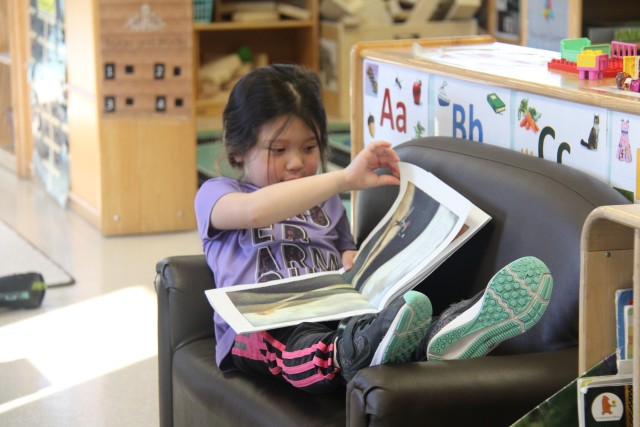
[417, 91]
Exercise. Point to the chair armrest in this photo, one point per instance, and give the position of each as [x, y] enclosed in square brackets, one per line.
[180, 285]
[492, 390]
[184, 316]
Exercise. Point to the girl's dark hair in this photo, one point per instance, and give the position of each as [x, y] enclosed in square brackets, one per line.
[267, 93]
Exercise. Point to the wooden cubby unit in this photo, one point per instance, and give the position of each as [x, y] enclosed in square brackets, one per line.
[133, 160]
[286, 40]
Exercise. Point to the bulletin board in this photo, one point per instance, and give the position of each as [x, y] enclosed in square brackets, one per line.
[47, 74]
[548, 22]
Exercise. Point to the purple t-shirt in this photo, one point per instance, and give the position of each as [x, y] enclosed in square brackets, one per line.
[307, 243]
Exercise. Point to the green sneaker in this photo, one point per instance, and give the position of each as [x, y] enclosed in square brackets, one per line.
[390, 336]
[513, 302]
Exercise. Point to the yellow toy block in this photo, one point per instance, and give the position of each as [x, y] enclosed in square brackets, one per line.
[631, 65]
[587, 58]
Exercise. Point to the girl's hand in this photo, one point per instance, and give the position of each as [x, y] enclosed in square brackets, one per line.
[347, 259]
[361, 172]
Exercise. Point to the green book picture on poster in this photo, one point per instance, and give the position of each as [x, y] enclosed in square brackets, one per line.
[496, 103]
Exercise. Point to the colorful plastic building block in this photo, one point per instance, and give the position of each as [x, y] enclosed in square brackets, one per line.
[622, 49]
[592, 64]
[604, 47]
[631, 65]
[570, 48]
[562, 65]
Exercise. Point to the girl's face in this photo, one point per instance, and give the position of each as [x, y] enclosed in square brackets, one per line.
[281, 153]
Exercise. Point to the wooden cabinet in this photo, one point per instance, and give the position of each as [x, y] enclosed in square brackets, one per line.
[15, 121]
[287, 39]
[6, 125]
[610, 260]
[131, 118]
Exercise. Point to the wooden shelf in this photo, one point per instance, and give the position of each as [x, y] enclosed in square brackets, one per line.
[279, 41]
[610, 260]
[258, 25]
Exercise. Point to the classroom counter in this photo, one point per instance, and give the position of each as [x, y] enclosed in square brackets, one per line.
[478, 89]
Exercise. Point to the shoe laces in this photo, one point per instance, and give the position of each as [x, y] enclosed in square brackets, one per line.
[453, 311]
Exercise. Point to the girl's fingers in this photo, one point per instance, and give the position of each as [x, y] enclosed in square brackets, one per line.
[387, 157]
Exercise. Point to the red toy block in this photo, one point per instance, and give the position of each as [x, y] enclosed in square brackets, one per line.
[562, 65]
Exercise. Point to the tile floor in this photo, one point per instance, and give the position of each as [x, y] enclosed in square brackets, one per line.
[87, 357]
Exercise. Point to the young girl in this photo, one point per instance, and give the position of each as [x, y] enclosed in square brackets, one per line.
[283, 219]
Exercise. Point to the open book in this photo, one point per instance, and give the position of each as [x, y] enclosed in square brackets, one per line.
[427, 222]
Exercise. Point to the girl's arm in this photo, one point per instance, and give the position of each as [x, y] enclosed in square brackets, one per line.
[283, 200]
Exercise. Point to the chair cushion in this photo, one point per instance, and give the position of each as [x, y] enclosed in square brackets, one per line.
[538, 208]
[203, 395]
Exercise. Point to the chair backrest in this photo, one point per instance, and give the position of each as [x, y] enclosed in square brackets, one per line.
[538, 208]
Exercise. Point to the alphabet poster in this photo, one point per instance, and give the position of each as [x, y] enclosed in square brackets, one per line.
[403, 103]
[564, 132]
[471, 111]
[624, 136]
[396, 103]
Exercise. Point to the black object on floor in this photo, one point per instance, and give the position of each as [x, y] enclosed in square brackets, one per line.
[24, 290]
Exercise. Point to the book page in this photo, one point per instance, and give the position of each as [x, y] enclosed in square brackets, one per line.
[312, 297]
[426, 224]
[412, 238]
[477, 219]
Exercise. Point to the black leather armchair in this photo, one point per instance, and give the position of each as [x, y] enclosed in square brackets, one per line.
[538, 208]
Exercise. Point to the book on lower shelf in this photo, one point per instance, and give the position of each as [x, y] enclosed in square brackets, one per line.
[608, 399]
[427, 222]
[624, 330]
[605, 400]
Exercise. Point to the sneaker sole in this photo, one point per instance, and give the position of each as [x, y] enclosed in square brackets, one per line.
[406, 331]
[513, 303]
